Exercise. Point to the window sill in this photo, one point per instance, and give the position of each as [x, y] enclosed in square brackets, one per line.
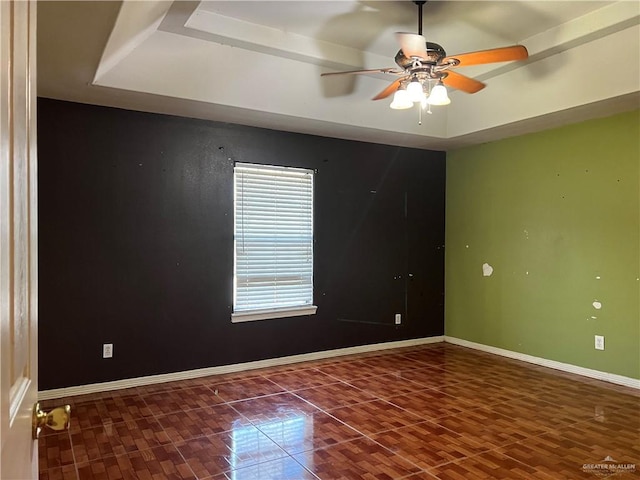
[253, 315]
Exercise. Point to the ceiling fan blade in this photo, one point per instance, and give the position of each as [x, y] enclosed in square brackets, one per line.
[412, 45]
[504, 54]
[373, 70]
[393, 86]
[462, 82]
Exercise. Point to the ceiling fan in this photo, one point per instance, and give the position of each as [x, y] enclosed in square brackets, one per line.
[422, 63]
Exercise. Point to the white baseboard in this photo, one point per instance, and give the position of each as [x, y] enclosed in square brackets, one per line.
[566, 367]
[238, 367]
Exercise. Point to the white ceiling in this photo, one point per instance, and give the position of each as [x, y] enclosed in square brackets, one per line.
[259, 63]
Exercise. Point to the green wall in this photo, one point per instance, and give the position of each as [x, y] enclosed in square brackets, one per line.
[557, 215]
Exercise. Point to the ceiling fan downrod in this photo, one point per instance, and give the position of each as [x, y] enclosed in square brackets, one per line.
[420, 3]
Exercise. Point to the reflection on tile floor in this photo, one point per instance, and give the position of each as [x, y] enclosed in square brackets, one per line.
[435, 411]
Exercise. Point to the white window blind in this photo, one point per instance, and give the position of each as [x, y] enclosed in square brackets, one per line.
[273, 268]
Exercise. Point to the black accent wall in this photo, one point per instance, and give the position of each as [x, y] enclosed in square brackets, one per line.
[136, 243]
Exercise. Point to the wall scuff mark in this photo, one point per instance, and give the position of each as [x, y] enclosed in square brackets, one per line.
[487, 270]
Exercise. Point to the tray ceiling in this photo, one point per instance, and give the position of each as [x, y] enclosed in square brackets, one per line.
[259, 63]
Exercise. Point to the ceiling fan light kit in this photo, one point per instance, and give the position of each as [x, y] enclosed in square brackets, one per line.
[422, 63]
[418, 92]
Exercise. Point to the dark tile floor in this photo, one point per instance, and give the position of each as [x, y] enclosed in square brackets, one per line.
[436, 411]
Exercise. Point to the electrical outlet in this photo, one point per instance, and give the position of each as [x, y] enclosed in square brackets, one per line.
[107, 350]
[398, 318]
[599, 342]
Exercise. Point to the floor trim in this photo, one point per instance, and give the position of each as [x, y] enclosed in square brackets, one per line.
[238, 367]
[566, 367]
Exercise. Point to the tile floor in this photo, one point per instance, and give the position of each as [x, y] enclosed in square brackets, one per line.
[436, 411]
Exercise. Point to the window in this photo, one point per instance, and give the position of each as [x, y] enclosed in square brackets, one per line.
[273, 236]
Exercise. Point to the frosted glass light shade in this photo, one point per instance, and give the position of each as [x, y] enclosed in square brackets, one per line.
[439, 95]
[401, 100]
[415, 91]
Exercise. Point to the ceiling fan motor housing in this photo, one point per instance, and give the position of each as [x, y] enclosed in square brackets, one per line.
[435, 53]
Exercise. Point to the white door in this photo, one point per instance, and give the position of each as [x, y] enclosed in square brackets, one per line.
[18, 239]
